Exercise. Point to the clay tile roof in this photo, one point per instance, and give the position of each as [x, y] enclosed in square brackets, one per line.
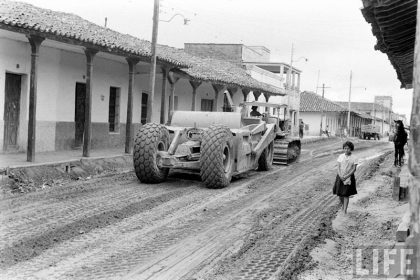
[312, 102]
[224, 72]
[70, 28]
[394, 25]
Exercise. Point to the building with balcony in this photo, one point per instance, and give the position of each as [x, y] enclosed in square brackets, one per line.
[256, 61]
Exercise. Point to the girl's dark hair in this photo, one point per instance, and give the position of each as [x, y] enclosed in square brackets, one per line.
[349, 144]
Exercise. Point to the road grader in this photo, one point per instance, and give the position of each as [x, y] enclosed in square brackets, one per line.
[218, 145]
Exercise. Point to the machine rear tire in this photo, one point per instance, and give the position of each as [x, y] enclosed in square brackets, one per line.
[150, 139]
[265, 162]
[216, 160]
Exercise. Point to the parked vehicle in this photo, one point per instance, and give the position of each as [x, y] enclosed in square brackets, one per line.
[371, 131]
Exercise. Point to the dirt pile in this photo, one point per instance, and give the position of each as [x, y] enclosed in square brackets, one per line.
[33, 178]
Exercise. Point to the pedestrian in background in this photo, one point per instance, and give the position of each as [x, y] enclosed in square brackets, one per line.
[301, 127]
[345, 182]
[400, 139]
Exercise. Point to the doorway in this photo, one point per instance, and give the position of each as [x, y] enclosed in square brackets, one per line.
[79, 115]
[11, 111]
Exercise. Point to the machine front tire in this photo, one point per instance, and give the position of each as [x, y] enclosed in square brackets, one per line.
[150, 139]
[216, 160]
[265, 162]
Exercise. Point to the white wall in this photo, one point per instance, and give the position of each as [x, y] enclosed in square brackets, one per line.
[313, 119]
[58, 72]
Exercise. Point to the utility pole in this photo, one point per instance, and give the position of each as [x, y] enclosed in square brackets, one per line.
[374, 111]
[153, 62]
[383, 116]
[349, 108]
[290, 86]
[322, 108]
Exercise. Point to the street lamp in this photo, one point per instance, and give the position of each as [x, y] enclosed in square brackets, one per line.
[349, 105]
[186, 20]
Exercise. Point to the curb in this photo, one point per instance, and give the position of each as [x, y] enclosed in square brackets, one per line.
[317, 139]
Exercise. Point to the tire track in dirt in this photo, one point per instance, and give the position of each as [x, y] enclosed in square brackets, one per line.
[235, 191]
[55, 215]
[121, 256]
[219, 228]
[271, 261]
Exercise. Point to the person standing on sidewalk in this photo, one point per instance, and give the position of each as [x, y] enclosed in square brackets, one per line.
[301, 127]
[345, 182]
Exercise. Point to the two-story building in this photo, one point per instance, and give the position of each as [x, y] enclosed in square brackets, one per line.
[256, 61]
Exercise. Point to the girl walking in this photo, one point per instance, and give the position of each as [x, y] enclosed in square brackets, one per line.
[345, 183]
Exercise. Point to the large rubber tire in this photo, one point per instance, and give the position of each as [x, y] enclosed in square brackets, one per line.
[265, 162]
[150, 139]
[216, 159]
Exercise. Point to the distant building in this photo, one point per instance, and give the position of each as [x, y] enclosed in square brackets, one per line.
[380, 114]
[317, 113]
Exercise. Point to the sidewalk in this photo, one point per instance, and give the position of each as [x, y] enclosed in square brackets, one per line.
[16, 160]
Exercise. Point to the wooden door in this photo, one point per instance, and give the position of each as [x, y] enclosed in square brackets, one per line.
[79, 115]
[11, 110]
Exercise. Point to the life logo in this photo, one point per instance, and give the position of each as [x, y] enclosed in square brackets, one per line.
[385, 262]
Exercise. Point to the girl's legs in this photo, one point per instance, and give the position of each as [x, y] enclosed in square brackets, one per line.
[341, 202]
[346, 204]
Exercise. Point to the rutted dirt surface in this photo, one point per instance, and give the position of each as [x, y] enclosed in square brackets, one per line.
[115, 227]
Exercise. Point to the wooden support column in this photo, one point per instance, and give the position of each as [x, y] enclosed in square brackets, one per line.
[165, 72]
[414, 156]
[35, 42]
[90, 54]
[245, 93]
[229, 95]
[172, 81]
[129, 127]
[267, 97]
[232, 90]
[194, 85]
[256, 94]
[217, 90]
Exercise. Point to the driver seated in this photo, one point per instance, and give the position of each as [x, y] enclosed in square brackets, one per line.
[254, 112]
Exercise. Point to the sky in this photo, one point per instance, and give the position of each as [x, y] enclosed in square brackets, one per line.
[331, 34]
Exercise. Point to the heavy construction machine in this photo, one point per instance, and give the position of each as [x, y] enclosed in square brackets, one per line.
[286, 147]
[215, 144]
[218, 145]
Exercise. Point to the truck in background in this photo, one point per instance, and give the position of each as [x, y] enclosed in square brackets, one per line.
[371, 131]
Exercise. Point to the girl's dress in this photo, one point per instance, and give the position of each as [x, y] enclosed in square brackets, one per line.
[348, 187]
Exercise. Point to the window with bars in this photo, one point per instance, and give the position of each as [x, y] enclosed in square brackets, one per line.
[114, 109]
[207, 105]
[144, 99]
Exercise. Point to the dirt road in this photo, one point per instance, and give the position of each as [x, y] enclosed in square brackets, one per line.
[113, 227]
